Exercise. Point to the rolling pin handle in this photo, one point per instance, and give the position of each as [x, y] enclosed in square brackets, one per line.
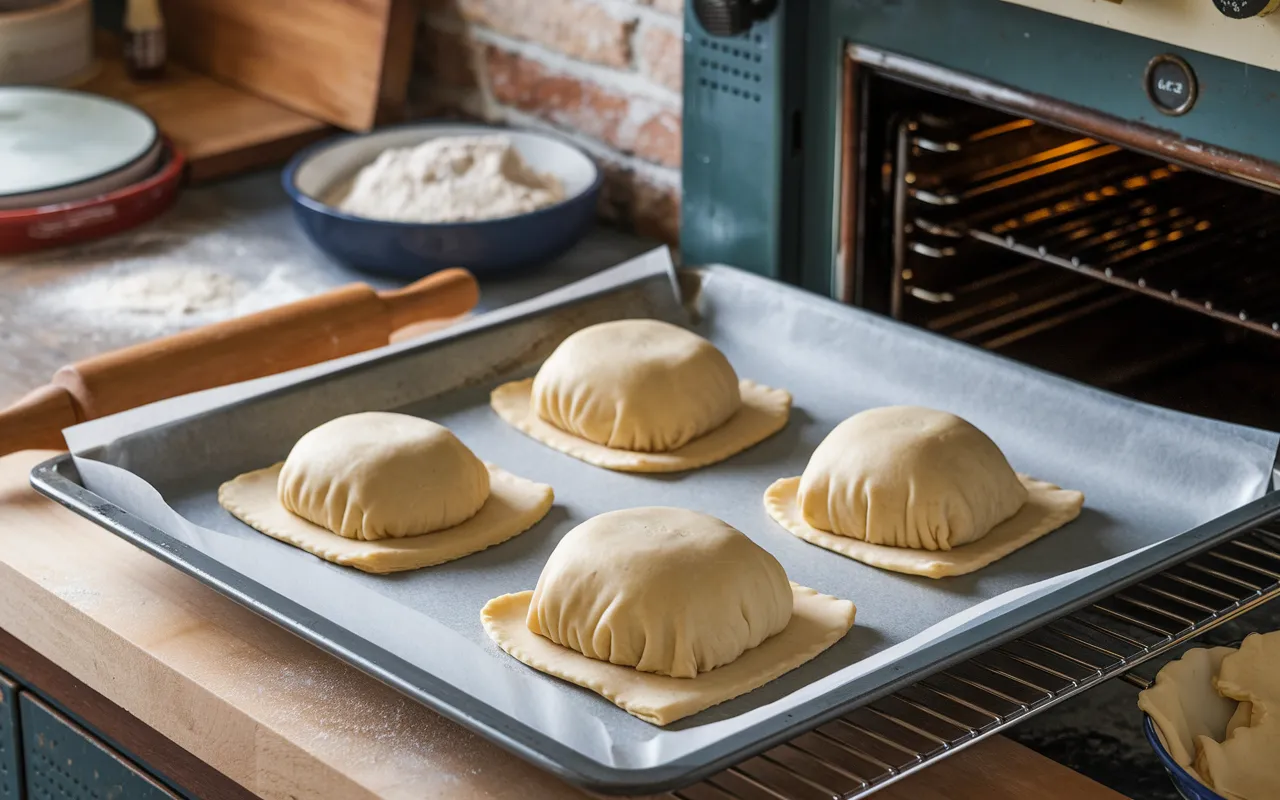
[36, 421]
[444, 294]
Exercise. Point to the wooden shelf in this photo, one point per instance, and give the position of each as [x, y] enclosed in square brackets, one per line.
[221, 129]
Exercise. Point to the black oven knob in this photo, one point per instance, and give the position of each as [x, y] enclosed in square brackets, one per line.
[1243, 9]
[731, 17]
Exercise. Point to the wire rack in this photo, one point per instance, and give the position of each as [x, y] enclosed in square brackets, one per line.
[880, 743]
[1092, 209]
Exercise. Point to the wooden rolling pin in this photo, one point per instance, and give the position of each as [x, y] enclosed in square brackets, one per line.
[347, 320]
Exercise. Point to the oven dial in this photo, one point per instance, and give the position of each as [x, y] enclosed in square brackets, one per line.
[731, 17]
[1243, 9]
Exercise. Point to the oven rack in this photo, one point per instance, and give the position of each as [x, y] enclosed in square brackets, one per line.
[886, 740]
[1131, 221]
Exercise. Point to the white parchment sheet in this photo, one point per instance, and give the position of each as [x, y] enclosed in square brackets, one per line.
[1148, 474]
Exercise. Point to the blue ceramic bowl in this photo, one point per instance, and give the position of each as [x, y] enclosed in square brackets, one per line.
[1187, 786]
[411, 250]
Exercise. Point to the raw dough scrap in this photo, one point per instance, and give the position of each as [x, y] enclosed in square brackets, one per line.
[641, 395]
[514, 505]
[663, 590]
[1048, 508]
[817, 622]
[636, 384]
[1242, 718]
[378, 475]
[1252, 674]
[911, 477]
[1244, 767]
[763, 413]
[1183, 704]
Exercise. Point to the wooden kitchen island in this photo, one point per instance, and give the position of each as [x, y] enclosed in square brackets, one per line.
[218, 702]
[130, 679]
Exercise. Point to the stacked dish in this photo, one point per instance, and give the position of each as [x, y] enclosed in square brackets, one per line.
[59, 185]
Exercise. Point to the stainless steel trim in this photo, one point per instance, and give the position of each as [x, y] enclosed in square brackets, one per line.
[984, 687]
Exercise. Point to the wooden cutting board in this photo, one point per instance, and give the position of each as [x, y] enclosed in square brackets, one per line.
[220, 129]
[282, 718]
[345, 62]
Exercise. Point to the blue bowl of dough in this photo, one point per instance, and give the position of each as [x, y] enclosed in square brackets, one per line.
[319, 179]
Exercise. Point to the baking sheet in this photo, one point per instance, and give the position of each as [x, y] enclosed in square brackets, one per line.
[1147, 474]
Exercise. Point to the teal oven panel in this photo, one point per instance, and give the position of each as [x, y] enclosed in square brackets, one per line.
[741, 157]
[740, 213]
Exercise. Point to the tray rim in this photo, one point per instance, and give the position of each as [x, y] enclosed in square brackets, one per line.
[58, 480]
[53, 479]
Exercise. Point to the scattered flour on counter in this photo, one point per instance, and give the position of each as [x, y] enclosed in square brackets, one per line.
[450, 179]
[159, 299]
[172, 291]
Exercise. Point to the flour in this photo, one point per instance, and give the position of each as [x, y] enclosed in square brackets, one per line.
[157, 300]
[450, 179]
[172, 291]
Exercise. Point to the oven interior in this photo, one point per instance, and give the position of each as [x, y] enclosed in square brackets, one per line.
[1106, 265]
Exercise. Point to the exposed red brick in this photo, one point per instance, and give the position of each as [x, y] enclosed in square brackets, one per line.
[582, 30]
[443, 8]
[669, 6]
[656, 212]
[445, 57]
[661, 56]
[648, 208]
[658, 137]
[633, 125]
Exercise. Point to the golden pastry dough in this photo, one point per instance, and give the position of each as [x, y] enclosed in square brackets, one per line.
[513, 506]
[917, 491]
[1252, 675]
[817, 622]
[764, 412]
[1047, 509]
[636, 384]
[662, 590]
[905, 476]
[1242, 718]
[1183, 704]
[378, 475]
[641, 396]
[1244, 767]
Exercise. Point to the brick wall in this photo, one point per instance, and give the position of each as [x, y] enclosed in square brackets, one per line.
[606, 73]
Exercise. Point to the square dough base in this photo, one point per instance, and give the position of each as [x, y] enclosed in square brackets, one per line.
[1048, 508]
[817, 622]
[764, 412]
[514, 506]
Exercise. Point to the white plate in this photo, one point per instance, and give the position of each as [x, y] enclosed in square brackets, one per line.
[52, 139]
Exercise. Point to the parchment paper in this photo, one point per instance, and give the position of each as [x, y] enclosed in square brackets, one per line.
[1147, 474]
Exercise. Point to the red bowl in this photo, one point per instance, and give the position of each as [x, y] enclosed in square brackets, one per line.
[25, 230]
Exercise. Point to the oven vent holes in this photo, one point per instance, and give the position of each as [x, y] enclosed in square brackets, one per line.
[732, 66]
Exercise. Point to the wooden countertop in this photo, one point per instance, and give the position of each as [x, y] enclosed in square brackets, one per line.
[283, 719]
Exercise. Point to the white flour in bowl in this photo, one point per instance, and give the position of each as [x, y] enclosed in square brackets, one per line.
[450, 179]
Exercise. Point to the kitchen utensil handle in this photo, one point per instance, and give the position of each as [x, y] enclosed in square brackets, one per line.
[36, 421]
[339, 323]
[447, 293]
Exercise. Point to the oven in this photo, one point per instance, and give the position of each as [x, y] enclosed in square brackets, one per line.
[1092, 188]
[1067, 192]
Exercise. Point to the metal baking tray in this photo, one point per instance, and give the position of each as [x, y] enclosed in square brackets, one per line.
[1160, 486]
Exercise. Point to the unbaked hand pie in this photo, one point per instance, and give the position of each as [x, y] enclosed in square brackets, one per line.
[640, 395]
[918, 491]
[385, 492]
[665, 612]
